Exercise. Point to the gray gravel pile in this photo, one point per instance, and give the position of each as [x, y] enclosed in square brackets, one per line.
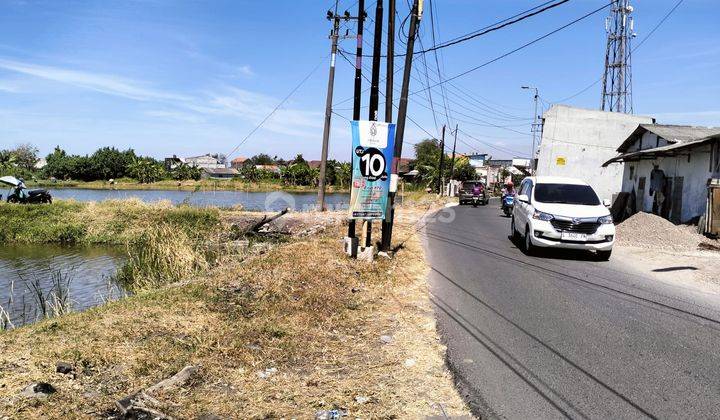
[645, 230]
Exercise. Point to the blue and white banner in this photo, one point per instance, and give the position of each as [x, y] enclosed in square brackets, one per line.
[373, 146]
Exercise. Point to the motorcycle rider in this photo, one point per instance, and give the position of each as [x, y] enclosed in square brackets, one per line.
[21, 189]
[509, 189]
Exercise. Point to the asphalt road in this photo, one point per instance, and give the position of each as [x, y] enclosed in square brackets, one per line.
[562, 335]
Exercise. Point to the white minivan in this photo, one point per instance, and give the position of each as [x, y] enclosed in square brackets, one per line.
[555, 212]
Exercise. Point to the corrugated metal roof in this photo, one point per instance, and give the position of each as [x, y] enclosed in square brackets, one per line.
[667, 150]
[680, 133]
[220, 171]
[672, 133]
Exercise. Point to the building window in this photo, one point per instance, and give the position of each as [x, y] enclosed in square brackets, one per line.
[632, 172]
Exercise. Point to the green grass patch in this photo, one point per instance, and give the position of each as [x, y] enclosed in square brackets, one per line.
[107, 222]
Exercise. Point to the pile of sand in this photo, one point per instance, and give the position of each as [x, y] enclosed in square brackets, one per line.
[645, 230]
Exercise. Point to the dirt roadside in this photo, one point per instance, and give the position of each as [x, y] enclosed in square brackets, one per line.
[294, 332]
[674, 254]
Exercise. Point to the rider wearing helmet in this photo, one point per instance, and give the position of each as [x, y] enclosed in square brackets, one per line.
[508, 189]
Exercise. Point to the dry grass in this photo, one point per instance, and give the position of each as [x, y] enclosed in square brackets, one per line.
[159, 256]
[302, 308]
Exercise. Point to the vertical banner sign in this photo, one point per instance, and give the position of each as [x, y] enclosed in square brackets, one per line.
[373, 145]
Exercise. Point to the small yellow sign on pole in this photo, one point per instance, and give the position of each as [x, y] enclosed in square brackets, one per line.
[560, 161]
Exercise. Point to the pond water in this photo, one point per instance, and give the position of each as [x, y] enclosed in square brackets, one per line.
[250, 200]
[36, 280]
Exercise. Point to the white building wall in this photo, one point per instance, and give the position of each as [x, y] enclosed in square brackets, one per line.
[576, 142]
[695, 173]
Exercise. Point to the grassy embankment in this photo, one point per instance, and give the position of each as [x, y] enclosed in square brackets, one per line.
[164, 243]
[203, 185]
[282, 334]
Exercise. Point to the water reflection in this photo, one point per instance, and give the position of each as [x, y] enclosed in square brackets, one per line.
[40, 280]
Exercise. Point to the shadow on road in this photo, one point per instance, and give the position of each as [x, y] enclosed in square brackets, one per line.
[678, 268]
[555, 253]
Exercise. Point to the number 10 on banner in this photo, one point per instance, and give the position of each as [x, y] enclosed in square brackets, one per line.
[373, 144]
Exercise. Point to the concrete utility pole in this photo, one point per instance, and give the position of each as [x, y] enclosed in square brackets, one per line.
[328, 106]
[441, 164]
[617, 80]
[375, 87]
[415, 16]
[389, 87]
[534, 128]
[452, 160]
[357, 106]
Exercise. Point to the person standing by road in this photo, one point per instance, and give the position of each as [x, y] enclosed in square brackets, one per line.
[657, 188]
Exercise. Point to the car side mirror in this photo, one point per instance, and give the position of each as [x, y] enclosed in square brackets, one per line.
[524, 198]
[606, 202]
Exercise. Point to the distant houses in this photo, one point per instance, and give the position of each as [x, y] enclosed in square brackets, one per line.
[269, 168]
[238, 162]
[219, 173]
[205, 162]
[212, 167]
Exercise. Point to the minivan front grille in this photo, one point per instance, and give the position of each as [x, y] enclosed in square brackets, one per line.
[577, 226]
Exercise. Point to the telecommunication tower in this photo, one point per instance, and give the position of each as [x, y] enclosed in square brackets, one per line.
[617, 80]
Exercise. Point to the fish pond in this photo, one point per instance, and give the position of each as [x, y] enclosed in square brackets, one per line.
[42, 281]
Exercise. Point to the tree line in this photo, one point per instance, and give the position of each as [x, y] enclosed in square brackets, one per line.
[294, 172]
[104, 164]
[111, 163]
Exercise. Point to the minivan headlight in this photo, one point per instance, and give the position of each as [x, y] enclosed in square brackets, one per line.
[542, 216]
[606, 220]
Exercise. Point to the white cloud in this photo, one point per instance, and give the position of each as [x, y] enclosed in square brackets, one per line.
[245, 105]
[108, 84]
[246, 71]
[254, 107]
[9, 87]
[175, 115]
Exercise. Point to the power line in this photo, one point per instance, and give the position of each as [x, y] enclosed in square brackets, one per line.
[486, 109]
[638, 45]
[267, 117]
[408, 117]
[495, 28]
[476, 121]
[437, 63]
[492, 27]
[527, 44]
[499, 148]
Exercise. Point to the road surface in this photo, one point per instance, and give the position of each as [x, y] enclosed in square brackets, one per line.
[564, 336]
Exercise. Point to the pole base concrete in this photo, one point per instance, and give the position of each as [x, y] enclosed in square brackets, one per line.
[366, 253]
[350, 246]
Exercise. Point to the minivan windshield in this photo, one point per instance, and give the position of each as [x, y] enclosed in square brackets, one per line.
[566, 194]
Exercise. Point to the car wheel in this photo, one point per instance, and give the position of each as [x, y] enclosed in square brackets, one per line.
[513, 231]
[529, 247]
[604, 255]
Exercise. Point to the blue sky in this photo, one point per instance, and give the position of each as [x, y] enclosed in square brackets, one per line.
[191, 77]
